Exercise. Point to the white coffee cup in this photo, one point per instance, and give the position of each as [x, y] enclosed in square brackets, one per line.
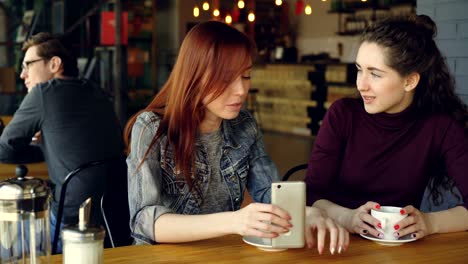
[388, 216]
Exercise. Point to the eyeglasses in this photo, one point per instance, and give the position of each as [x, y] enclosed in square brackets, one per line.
[26, 64]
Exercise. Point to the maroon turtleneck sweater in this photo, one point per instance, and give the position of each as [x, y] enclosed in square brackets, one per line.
[385, 158]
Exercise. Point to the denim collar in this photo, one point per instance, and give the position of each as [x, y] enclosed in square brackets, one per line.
[228, 135]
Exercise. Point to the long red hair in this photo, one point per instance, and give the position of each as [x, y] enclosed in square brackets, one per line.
[212, 56]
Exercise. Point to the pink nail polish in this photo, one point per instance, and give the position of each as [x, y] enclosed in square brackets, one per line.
[396, 227]
[379, 225]
[402, 211]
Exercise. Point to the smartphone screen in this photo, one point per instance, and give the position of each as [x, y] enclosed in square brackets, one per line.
[290, 196]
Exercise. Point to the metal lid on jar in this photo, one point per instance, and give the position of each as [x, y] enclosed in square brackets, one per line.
[23, 188]
[75, 234]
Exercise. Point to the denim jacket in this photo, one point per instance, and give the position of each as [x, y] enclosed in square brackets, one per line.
[157, 188]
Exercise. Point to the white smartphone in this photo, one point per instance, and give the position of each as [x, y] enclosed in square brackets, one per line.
[290, 196]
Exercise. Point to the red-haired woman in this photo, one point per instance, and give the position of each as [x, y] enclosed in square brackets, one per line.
[193, 151]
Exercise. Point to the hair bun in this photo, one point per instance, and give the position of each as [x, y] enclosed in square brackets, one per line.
[427, 24]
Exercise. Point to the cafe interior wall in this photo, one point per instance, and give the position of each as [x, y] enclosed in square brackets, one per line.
[317, 34]
[452, 36]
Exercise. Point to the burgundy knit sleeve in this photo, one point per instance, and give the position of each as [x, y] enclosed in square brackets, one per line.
[455, 154]
[325, 159]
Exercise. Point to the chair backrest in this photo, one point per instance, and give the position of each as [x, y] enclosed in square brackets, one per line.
[293, 170]
[114, 208]
[2, 126]
[110, 181]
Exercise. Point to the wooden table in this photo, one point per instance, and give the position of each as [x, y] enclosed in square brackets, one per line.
[6, 119]
[38, 170]
[442, 248]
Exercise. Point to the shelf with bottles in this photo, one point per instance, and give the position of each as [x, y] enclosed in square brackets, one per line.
[340, 81]
[283, 98]
[354, 16]
[351, 6]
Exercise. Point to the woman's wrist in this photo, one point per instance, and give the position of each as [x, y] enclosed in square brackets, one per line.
[231, 223]
[345, 219]
[431, 222]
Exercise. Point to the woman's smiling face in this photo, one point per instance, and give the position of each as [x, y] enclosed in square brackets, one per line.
[382, 88]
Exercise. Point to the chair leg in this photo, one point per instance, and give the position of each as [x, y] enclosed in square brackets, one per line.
[106, 223]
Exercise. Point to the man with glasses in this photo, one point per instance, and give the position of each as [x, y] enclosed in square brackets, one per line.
[73, 120]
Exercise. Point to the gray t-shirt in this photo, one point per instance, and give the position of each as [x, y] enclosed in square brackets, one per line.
[217, 198]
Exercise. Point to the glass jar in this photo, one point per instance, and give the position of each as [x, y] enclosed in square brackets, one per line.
[83, 246]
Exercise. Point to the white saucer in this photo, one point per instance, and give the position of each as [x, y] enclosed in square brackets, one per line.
[261, 243]
[387, 242]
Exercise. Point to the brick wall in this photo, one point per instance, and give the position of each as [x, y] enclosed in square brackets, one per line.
[451, 17]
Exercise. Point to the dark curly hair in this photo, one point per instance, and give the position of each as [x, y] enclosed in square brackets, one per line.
[409, 46]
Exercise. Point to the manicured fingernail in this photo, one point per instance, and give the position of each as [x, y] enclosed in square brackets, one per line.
[396, 234]
[402, 211]
[396, 227]
[413, 235]
[339, 249]
[380, 235]
[332, 250]
[309, 245]
[379, 225]
[377, 206]
[320, 250]
[290, 225]
[365, 231]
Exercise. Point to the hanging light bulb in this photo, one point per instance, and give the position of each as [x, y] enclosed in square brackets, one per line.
[324, 0]
[251, 16]
[206, 6]
[363, 0]
[228, 19]
[216, 12]
[308, 9]
[278, 2]
[196, 11]
[240, 4]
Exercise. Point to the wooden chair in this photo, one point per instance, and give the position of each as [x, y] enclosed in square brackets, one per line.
[115, 166]
[293, 170]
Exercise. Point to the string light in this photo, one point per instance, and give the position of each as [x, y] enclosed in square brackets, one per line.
[206, 6]
[278, 2]
[240, 4]
[196, 11]
[228, 19]
[216, 12]
[251, 16]
[308, 9]
[363, 0]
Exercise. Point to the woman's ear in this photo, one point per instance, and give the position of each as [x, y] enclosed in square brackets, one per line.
[411, 81]
[55, 64]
